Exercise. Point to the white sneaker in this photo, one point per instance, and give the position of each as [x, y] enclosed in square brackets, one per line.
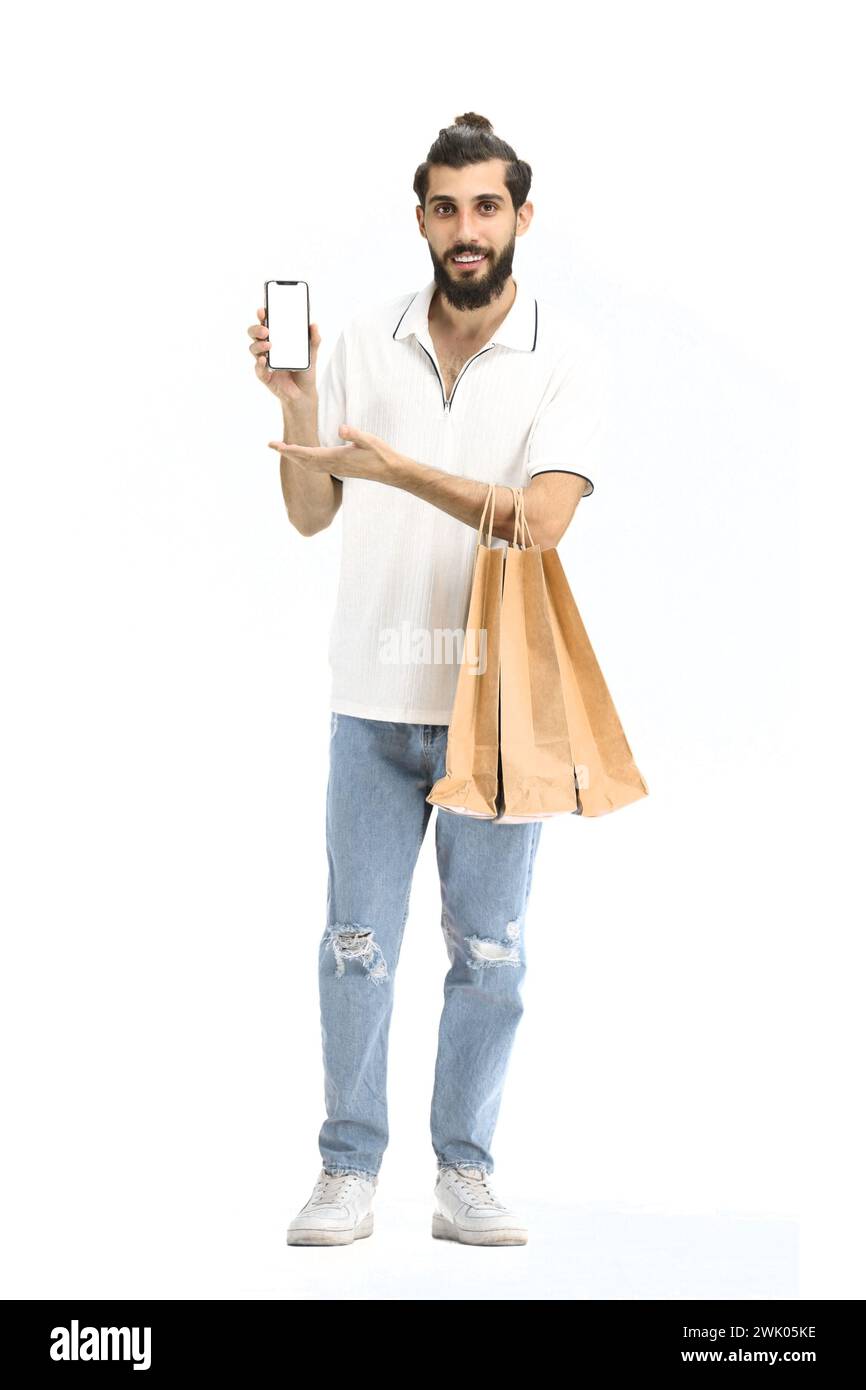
[339, 1211]
[468, 1211]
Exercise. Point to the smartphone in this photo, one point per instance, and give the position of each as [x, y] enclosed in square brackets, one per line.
[287, 316]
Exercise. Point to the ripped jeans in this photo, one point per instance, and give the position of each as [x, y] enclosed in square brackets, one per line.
[376, 819]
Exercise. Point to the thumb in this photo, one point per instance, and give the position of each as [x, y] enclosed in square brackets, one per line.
[349, 432]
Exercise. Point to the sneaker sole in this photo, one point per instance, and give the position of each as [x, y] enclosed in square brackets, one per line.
[443, 1229]
[312, 1235]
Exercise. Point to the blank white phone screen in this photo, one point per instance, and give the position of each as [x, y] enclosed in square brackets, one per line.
[288, 332]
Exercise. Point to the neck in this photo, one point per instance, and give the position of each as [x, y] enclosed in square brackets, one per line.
[471, 323]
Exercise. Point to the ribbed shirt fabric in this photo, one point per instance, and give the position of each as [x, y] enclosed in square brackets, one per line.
[530, 401]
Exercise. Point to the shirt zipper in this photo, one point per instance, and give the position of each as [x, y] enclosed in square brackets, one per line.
[447, 403]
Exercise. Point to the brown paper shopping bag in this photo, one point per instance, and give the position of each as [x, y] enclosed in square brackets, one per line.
[606, 773]
[538, 779]
[471, 779]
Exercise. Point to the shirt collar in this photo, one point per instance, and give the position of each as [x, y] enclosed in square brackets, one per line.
[518, 330]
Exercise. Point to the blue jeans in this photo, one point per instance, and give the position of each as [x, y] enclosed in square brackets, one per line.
[376, 819]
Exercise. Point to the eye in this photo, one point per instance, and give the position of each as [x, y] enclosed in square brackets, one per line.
[446, 207]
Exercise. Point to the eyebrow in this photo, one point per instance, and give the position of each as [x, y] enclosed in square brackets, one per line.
[479, 198]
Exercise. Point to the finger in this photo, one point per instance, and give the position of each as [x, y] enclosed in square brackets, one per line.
[260, 348]
[291, 451]
[261, 314]
[302, 452]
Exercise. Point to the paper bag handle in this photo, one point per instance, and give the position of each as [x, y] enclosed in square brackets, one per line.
[520, 523]
[488, 501]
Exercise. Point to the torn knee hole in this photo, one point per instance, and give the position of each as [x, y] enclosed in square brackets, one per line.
[487, 950]
[351, 942]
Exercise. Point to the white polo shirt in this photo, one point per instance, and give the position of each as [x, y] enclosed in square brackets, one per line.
[530, 401]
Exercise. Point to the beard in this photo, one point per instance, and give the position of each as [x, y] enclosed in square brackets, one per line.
[479, 288]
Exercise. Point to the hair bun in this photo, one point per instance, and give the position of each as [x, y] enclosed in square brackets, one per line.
[472, 119]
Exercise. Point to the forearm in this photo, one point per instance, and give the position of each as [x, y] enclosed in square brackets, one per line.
[311, 499]
[462, 498]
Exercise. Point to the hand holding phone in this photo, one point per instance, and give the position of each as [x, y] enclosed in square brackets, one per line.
[285, 344]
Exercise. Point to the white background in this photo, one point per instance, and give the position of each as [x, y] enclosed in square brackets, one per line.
[683, 1112]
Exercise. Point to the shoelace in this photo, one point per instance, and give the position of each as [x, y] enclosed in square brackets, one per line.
[476, 1185]
[330, 1186]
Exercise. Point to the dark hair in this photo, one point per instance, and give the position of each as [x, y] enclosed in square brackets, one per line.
[470, 140]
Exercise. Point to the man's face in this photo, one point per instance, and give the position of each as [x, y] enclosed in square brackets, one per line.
[470, 211]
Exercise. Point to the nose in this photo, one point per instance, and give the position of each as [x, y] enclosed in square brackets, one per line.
[467, 230]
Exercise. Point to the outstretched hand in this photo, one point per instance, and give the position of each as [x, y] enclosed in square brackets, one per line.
[363, 456]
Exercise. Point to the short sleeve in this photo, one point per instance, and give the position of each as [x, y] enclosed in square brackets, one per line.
[332, 398]
[568, 432]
